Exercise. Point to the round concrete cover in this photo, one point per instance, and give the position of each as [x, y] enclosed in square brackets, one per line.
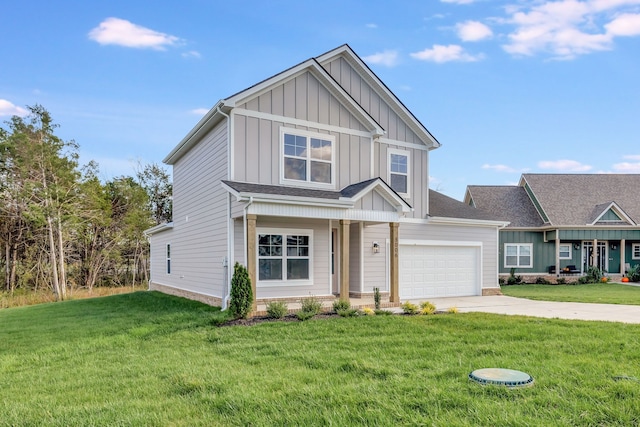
[499, 376]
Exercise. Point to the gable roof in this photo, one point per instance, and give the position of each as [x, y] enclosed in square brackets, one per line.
[509, 203]
[575, 199]
[314, 66]
[447, 207]
[346, 197]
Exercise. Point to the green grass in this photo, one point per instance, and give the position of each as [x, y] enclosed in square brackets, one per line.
[602, 293]
[151, 359]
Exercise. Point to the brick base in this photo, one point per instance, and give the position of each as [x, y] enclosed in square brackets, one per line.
[206, 299]
[491, 291]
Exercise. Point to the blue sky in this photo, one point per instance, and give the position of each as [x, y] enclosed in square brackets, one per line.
[507, 86]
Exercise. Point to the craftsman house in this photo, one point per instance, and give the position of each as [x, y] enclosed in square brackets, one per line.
[317, 180]
[562, 224]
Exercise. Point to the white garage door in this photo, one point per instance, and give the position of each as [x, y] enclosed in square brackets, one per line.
[429, 271]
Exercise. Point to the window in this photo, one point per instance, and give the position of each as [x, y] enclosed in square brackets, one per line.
[284, 255]
[307, 157]
[565, 251]
[635, 251]
[399, 171]
[518, 255]
[168, 258]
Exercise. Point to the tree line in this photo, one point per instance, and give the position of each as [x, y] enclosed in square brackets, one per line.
[61, 227]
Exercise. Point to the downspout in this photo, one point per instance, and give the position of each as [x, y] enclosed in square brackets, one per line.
[227, 288]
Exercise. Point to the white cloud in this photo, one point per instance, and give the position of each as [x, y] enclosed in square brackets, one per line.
[568, 28]
[124, 33]
[440, 54]
[627, 167]
[564, 165]
[471, 31]
[371, 25]
[192, 54]
[199, 111]
[387, 58]
[8, 109]
[500, 168]
[632, 157]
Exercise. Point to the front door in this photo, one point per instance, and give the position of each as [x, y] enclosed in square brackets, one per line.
[599, 258]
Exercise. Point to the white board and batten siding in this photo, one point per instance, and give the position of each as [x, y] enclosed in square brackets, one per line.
[198, 239]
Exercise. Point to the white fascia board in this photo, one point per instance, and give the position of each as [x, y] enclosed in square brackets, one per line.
[158, 228]
[613, 206]
[466, 222]
[366, 73]
[312, 66]
[385, 192]
[209, 120]
[288, 200]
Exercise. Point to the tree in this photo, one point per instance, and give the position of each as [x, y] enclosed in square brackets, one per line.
[241, 292]
[157, 183]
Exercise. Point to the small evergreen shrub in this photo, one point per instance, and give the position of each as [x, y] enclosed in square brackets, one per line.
[409, 308]
[513, 279]
[305, 315]
[634, 273]
[241, 293]
[277, 309]
[427, 308]
[376, 298]
[311, 304]
[341, 304]
[542, 281]
[348, 312]
[367, 311]
[561, 281]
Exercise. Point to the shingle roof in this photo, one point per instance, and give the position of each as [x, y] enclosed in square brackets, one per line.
[447, 207]
[570, 199]
[506, 203]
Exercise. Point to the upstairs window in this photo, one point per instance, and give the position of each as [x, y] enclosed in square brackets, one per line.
[399, 171]
[307, 158]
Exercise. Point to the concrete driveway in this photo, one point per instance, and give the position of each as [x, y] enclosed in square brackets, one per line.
[501, 304]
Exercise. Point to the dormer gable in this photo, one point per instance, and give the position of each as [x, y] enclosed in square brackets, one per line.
[609, 214]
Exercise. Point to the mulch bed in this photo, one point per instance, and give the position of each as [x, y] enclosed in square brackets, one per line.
[264, 319]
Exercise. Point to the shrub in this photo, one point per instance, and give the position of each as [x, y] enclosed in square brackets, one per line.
[634, 273]
[241, 293]
[341, 304]
[367, 311]
[348, 312]
[311, 304]
[376, 298]
[427, 308]
[305, 315]
[594, 275]
[382, 312]
[277, 309]
[409, 308]
[513, 279]
[561, 281]
[452, 310]
[542, 281]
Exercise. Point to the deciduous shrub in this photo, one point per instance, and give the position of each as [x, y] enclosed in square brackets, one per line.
[277, 309]
[367, 311]
[409, 308]
[348, 312]
[452, 310]
[427, 307]
[341, 304]
[241, 292]
[309, 307]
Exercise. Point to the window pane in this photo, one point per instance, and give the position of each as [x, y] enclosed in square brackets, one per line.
[297, 269]
[295, 145]
[512, 250]
[524, 260]
[270, 269]
[295, 169]
[511, 260]
[398, 163]
[525, 250]
[399, 183]
[320, 149]
[321, 172]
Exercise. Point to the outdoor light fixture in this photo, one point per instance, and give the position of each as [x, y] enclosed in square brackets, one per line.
[614, 247]
[576, 246]
[376, 247]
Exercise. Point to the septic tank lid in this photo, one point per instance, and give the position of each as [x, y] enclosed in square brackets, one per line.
[500, 376]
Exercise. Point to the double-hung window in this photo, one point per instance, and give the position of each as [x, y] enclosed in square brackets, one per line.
[635, 251]
[399, 165]
[284, 256]
[518, 255]
[307, 158]
[565, 251]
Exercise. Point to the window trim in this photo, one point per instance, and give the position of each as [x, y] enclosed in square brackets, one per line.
[569, 245]
[308, 135]
[518, 245]
[284, 232]
[635, 247]
[407, 154]
[167, 254]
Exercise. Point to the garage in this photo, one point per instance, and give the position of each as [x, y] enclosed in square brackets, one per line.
[429, 271]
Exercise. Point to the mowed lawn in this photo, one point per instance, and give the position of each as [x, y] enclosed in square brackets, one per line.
[150, 359]
[601, 293]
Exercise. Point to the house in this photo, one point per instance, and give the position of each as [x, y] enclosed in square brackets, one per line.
[565, 223]
[317, 180]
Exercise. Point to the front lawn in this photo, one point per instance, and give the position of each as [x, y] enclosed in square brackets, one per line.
[602, 293]
[151, 359]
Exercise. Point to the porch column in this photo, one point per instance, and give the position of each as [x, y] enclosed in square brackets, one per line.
[394, 282]
[344, 258]
[622, 257]
[251, 255]
[557, 253]
[594, 253]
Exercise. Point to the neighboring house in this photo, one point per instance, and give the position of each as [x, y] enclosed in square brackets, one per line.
[573, 221]
[317, 180]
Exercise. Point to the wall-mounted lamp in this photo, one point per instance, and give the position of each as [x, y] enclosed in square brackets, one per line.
[576, 246]
[376, 247]
[614, 247]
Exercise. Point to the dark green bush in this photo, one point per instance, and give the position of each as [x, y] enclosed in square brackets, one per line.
[376, 298]
[348, 312]
[634, 273]
[241, 293]
[277, 309]
[594, 275]
[305, 315]
[311, 304]
[542, 281]
[561, 281]
[341, 304]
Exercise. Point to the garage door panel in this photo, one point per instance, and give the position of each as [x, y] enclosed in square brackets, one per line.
[429, 271]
